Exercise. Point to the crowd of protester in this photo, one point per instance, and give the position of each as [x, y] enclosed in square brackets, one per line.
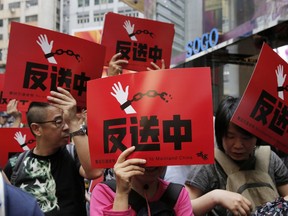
[52, 175]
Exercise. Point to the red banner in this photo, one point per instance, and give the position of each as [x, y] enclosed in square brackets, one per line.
[167, 115]
[11, 139]
[263, 108]
[141, 41]
[39, 60]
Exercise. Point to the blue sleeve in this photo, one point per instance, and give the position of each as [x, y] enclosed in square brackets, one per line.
[19, 202]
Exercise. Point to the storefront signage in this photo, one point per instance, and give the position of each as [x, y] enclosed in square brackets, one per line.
[207, 40]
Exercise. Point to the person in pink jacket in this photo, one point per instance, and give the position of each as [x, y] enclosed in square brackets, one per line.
[131, 174]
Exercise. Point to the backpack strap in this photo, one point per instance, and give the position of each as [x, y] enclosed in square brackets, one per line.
[18, 166]
[262, 155]
[137, 202]
[171, 194]
[226, 163]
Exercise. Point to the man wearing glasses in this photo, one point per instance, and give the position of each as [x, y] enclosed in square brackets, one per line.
[48, 171]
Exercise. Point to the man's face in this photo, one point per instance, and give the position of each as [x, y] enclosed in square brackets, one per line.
[54, 130]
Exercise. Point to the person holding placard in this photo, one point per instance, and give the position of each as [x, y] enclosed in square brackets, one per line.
[49, 171]
[116, 64]
[209, 185]
[138, 189]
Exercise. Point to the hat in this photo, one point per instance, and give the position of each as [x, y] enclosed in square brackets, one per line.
[4, 114]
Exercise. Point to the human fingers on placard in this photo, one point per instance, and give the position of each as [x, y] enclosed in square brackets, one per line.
[62, 97]
[133, 165]
[122, 157]
[125, 168]
[121, 62]
[115, 65]
[113, 60]
[12, 106]
[115, 57]
[154, 66]
[162, 64]
[9, 106]
[129, 165]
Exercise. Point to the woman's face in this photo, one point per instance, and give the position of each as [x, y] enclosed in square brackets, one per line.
[237, 145]
[151, 175]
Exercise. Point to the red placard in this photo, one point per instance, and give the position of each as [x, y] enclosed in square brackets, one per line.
[2, 77]
[263, 107]
[166, 114]
[22, 104]
[9, 144]
[41, 59]
[141, 41]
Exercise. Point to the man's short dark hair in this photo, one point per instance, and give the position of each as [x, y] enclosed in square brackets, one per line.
[35, 112]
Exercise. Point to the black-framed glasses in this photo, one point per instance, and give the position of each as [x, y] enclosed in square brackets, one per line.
[58, 122]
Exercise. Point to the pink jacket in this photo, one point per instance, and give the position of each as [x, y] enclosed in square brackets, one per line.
[102, 198]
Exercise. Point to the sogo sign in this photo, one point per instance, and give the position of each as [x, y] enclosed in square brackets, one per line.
[200, 44]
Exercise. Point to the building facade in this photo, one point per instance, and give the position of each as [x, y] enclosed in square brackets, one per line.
[32, 12]
[242, 27]
[88, 15]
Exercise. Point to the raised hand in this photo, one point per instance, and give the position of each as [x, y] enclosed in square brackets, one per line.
[115, 65]
[156, 67]
[125, 168]
[65, 101]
